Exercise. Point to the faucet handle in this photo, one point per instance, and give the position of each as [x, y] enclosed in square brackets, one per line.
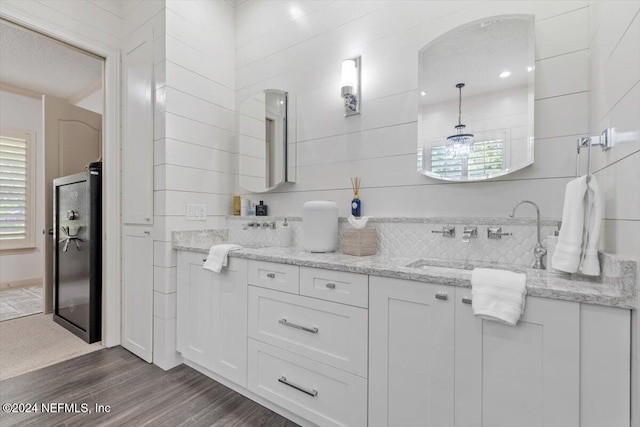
[496, 233]
[447, 231]
[468, 233]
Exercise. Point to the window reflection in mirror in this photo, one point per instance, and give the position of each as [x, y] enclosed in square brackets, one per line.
[495, 59]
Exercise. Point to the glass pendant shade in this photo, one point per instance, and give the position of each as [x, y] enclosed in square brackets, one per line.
[460, 144]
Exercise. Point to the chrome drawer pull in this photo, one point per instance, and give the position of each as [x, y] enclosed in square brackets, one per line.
[271, 275]
[312, 393]
[442, 296]
[331, 285]
[466, 300]
[204, 260]
[293, 325]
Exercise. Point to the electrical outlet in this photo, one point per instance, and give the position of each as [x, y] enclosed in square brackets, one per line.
[196, 212]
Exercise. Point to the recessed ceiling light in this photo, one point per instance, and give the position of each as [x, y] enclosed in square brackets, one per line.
[530, 69]
[423, 93]
[505, 74]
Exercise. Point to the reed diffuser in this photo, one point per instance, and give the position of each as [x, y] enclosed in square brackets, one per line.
[356, 203]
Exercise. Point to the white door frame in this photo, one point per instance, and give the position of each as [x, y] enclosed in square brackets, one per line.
[110, 156]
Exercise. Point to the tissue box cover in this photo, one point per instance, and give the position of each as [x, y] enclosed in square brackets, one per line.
[361, 242]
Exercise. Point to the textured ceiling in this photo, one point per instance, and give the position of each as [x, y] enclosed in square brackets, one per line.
[32, 61]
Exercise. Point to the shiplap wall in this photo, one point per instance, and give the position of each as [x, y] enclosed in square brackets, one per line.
[98, 21]
[614, 51]
[195, 159]
[301, 51]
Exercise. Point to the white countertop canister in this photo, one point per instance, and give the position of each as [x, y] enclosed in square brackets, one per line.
[320, 226]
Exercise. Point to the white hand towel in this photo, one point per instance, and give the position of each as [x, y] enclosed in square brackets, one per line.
[498, 295]
[218, 257]
[590, 264]
[568, 253]
[358, 223]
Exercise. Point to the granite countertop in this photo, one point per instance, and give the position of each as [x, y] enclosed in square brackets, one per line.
[540, 283]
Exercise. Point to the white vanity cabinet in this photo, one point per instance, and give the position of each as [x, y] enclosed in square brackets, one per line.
[411, 353]
[308, 343]
[433, 363]
[517, 376]
[212, 316]
[332, 348]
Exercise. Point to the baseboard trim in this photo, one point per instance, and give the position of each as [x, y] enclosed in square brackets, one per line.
[14, 284]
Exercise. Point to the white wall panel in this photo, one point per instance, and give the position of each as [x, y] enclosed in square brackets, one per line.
[614, 67]
[562, 34]
[186, 129]
[562, 75]
[185, 105]
[169, 202]
[164, 279]
[187, 81]
[82, 17]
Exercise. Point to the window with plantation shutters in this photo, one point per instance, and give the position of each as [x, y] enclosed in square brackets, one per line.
[485, 161]
[17, 228]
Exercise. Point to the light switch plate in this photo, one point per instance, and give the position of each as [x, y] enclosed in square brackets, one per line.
[196, 212]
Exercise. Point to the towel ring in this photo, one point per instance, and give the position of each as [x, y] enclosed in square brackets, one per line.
[604, 140]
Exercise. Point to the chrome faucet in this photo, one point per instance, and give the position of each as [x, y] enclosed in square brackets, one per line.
[538, 251]
[251, 224]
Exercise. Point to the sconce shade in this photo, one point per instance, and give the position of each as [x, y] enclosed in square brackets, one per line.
[350, 91]
[349, 73]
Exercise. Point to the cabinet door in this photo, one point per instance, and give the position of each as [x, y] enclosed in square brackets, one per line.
[411, 342]
[212, 316]
[137, 291]
[523, 375]
[194, 326]
[137, 141]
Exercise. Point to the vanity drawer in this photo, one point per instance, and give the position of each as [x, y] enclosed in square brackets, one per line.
[281, 277]
[323, 395]
[338, 286]
[327, 332]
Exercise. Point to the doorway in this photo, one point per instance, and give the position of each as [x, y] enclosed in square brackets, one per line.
[51, 120]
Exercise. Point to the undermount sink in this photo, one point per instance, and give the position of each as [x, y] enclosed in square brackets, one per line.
[254, 245]
[426, 263]
[462, 265]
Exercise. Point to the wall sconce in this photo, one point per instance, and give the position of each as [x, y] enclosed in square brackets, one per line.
[351, 86]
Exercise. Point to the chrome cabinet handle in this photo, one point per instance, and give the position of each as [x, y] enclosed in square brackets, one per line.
[330, 285]
[147, 233]
[312, 392]
[442, 296]
[271, 275]
[466, 300]
[302, 328]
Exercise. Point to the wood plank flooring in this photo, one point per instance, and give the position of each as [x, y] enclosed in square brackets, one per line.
[138, 393]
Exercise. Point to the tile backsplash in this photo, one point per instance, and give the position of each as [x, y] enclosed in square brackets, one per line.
[413, 237]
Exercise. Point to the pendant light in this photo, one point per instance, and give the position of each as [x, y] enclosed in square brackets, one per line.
[460, 144]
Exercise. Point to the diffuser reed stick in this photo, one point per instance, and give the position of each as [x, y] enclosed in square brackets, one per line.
[356, 203]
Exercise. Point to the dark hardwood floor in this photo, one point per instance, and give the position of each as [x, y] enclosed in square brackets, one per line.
[138, 393]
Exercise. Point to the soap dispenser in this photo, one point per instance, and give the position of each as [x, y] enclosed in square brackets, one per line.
[552, 241]
[285, 235]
